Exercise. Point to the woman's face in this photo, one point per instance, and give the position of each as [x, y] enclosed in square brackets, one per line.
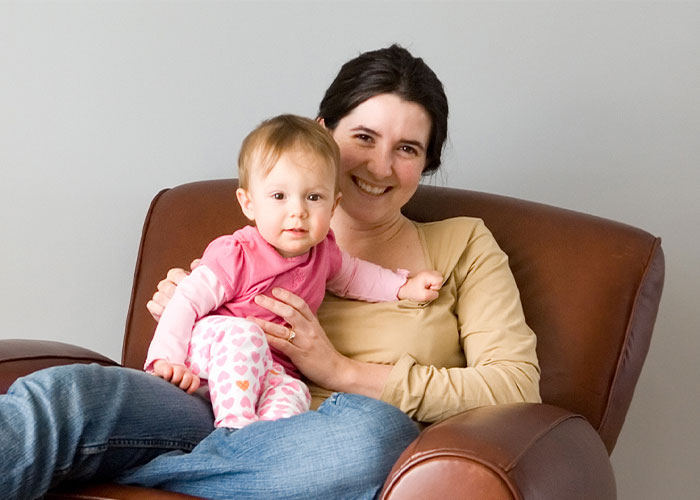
[383, 144]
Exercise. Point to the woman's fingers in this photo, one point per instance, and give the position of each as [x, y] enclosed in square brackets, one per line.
[309, 347]
[160, 299]
[270, 328]
[295, 301]
[166, 289]
[155, 309]
[283, 345]
[278, 336]
[174, 276]
[286, 305]
[275, 306]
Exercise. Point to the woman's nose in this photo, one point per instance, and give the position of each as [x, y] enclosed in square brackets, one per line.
[380, 163]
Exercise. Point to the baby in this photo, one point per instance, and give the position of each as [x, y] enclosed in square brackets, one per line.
[288, 170]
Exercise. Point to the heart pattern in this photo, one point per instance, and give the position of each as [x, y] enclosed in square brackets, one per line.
[238, 342]
[232, 353]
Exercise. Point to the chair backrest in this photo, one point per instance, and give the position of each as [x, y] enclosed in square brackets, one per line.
[590, 287]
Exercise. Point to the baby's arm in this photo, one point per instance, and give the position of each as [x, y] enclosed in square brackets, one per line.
[196, 296]
[359, 279]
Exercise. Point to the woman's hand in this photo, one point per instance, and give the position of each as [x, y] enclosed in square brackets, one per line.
[166, 289]
[309, 349]
[307, 345]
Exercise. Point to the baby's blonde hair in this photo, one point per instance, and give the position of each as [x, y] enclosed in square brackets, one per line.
[272, 138]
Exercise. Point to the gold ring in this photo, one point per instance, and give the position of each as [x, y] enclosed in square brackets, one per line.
[292, 334]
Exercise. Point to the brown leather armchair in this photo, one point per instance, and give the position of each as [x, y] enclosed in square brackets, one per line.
[590, 288]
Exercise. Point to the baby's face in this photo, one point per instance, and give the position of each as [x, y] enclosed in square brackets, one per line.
[293, 204]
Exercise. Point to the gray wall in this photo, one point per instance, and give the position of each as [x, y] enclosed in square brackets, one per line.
[589, 106]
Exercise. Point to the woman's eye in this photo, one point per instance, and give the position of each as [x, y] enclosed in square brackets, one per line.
[409, 149]
[278, 196]
[364, 137]
[314, 197]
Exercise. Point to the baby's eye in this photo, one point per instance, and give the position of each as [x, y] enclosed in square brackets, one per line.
[278, 196]
[314, 197]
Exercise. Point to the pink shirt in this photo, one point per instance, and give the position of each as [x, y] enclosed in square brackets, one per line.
[235, 268]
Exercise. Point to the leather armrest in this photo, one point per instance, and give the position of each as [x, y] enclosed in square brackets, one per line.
[513, 451]
[21, 357]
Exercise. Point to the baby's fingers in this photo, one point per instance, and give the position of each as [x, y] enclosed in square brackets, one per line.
[163, 369]
[190, 382]
[430, 280]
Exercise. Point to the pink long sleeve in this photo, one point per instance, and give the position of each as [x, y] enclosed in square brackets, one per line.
[362, 280]
[196, 296]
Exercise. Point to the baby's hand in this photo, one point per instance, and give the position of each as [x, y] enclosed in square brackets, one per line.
[178, 375]
[421, 287]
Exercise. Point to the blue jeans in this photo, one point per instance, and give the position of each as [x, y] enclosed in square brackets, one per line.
[82, 422]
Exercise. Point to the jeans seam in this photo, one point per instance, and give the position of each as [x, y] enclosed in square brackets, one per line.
[132, 443]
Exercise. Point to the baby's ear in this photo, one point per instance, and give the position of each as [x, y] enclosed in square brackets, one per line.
[335, 203]
[246, 203]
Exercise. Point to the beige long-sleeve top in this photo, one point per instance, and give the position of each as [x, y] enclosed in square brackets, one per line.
[470, 347]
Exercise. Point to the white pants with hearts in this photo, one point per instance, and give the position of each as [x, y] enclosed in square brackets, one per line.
[245, 384]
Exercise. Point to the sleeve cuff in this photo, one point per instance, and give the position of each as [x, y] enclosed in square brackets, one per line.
[394, 385]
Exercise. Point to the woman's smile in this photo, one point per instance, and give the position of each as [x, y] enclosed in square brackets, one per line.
[369, 188]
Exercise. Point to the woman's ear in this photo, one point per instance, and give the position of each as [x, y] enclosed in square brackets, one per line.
[246, 203]
[321, 121]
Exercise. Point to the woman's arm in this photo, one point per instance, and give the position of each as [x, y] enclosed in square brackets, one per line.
[498, 345]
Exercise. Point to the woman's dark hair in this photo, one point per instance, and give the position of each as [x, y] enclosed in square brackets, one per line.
[392, 70]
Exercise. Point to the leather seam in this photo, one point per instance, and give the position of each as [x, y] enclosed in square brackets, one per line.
[424, 457]
[628, 334]
[513, 463]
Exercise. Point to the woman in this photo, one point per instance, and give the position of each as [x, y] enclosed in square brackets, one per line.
[470, 347]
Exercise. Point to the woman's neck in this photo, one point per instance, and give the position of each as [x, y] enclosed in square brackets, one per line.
[375, 241]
